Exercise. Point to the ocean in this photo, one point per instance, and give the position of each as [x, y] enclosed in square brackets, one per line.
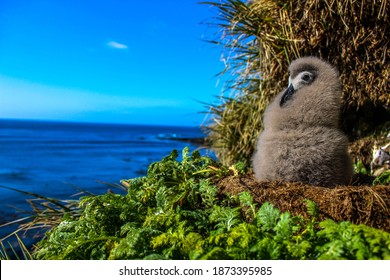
[58, 159]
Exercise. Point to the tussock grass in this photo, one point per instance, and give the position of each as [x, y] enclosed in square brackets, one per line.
[9, 252]
[45, 214]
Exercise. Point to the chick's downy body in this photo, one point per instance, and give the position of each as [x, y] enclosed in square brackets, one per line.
[301, 140]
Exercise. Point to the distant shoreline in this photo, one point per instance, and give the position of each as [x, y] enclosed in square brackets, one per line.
[70, 122]
[197, 141]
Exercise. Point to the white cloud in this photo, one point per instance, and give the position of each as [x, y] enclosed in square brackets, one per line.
[116, 45]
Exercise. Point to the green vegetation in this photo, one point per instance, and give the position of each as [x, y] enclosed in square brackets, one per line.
[383, 178]
[177, 212]
[359, 168]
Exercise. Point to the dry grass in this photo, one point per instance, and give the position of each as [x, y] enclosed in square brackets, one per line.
[45, 213]
[262, 37]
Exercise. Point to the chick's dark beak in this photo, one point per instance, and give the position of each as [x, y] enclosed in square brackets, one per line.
[288, 93]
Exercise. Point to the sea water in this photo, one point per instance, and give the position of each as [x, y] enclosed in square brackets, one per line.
[58, 159]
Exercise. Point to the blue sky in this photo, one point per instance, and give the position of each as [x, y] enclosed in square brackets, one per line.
[120, 61]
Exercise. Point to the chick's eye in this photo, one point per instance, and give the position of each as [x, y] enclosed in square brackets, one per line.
[306, 77]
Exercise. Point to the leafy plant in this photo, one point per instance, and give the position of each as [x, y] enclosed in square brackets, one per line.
[359, 168]
[382, 179]
[177, 212]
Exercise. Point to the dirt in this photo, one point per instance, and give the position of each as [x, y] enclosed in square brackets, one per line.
[360, 204]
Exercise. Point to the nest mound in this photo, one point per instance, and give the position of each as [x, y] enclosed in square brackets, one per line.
[369, 205]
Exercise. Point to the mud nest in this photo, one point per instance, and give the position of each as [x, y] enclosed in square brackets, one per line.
[369, 205]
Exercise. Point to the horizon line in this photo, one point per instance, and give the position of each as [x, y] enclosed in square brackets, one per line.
[94, 122]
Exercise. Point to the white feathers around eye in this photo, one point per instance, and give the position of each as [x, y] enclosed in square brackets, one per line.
[302, 79]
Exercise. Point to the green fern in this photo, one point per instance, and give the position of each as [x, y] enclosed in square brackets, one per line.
[176, 212]
[267, 216]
